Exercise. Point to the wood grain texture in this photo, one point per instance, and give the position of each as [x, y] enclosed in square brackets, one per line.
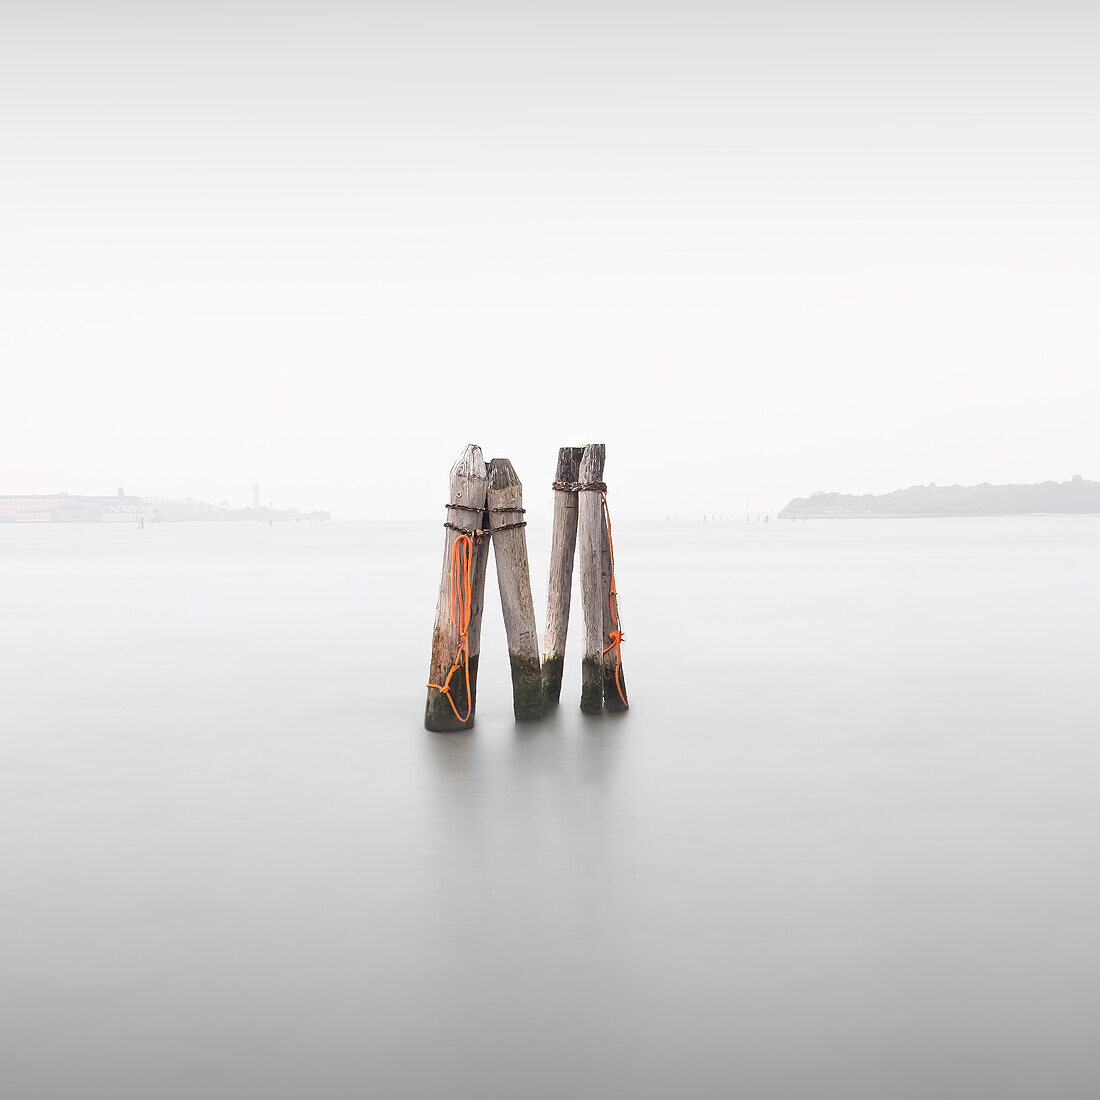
[514, 578]
[563, 547]
[467, 488]
[590, 553]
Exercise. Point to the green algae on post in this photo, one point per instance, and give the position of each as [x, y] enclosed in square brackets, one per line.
[528, 700]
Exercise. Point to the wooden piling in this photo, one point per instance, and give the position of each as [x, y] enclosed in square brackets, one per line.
[454, 652]
[615, 697]
[563, 548]
[590, 549]
[514, 577]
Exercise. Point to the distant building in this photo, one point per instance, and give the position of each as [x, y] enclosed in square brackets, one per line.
[31, 509]
[65, 508]
[122, 508]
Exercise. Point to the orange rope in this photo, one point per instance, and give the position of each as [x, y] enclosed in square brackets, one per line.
[462, 553]
[615, 634]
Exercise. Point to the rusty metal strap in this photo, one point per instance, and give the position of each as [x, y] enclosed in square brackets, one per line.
[475, 533]
[579, 487]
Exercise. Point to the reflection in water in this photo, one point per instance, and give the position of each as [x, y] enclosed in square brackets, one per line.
[526, 819]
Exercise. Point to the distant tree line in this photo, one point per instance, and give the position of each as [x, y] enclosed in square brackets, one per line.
[1077, 496]
[173, 511]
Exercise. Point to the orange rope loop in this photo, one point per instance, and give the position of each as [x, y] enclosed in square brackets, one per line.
[615, 634]
[462, 553]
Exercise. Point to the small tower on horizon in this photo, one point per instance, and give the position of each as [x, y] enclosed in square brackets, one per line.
[256, 495]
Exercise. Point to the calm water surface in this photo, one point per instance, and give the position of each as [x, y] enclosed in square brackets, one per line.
[844, 844]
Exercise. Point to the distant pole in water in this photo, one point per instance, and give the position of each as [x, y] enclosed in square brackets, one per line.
[452, 674]
[514, 577]
[563, 549]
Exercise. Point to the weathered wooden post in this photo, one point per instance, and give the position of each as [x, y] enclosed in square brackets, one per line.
[563, 549]
[452, 680]
[614, 680]
[514, 576]
[590, 548]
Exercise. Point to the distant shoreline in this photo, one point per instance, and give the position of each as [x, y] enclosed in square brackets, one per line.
[1047, 498]
[935, 515]
[30, 508]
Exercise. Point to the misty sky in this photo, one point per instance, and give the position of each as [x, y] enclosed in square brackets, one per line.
[760, 249]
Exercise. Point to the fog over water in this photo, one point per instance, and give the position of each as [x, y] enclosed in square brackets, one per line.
[811, 244]
[842, 846]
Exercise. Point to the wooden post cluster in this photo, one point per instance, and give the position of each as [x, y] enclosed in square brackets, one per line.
[487, 503]
[484, 504]
[584, 525]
